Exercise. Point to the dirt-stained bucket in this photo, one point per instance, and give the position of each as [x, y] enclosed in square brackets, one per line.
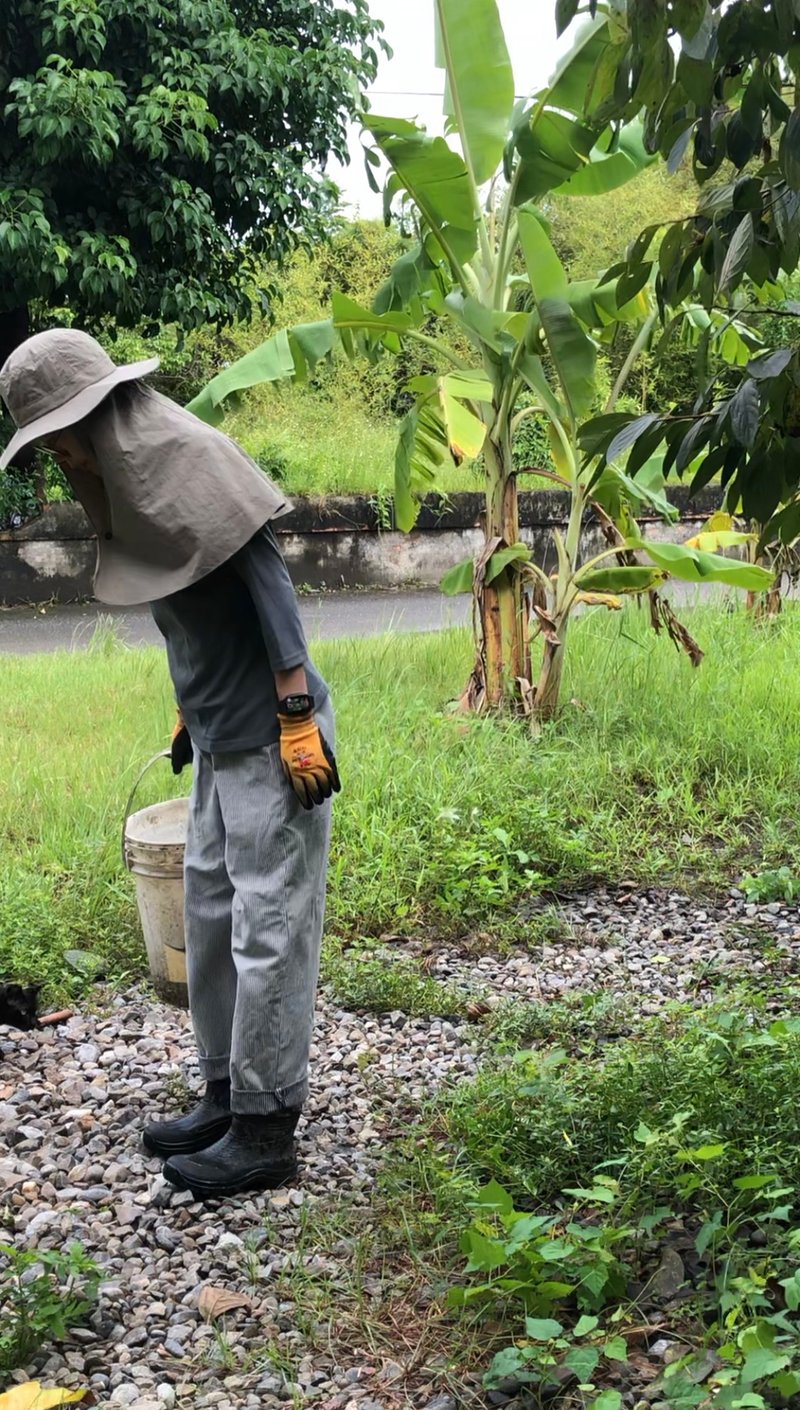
[154, 847]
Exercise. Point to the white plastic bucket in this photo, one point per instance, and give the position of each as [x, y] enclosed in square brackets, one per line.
[154, 844]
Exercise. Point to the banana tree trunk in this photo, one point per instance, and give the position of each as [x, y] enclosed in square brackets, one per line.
[504, 649]
[553, 625]
[548, 686]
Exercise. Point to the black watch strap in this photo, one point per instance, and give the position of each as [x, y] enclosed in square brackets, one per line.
[296, 705]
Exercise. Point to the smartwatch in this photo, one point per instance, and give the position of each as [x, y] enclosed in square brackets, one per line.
[296, 705]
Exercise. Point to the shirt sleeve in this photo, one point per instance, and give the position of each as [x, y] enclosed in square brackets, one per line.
[261, 567]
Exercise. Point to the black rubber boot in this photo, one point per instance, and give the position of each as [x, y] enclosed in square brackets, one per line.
[199, 1128]
[258, 1153]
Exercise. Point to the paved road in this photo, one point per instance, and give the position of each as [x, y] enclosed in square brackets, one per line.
[325, 614]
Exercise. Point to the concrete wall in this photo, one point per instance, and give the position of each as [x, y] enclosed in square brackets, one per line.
[334, 543]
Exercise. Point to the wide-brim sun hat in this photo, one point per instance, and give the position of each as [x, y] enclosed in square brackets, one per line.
[55, 379]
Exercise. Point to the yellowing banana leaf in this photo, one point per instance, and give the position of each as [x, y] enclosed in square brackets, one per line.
[600, 599]
[718, 520]
[31, 1396]
[465, 431]
[714, 540]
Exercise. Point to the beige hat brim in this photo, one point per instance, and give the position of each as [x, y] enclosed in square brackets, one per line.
[76, 408]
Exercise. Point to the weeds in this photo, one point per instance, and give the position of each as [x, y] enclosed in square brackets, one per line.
[42, 1295]
[379, 982]
[780, 885]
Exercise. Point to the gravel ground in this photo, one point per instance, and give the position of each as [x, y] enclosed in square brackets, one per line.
[73, 1098]
[656, 946]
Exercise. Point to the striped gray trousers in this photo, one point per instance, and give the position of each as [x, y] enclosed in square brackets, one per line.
[255, 901]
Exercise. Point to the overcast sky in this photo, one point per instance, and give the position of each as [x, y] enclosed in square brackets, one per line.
[409, 84]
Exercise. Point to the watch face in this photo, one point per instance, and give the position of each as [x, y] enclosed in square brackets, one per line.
[298, 704]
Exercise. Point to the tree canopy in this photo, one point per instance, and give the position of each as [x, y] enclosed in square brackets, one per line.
[154, 155]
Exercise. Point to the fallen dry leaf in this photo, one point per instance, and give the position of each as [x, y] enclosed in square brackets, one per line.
[32, 1396]
[217, 1302]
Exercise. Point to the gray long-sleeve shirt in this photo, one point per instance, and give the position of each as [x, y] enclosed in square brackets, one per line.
[226, 636]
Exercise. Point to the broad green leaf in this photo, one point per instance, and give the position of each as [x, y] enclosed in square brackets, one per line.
[693, 566]
[516, 553]
[762, 1361]
[493, 1196]
[479, 92]
[599, 1194]
[348, 314]
[271, 361]
[609, 1400]
[531, 368]
[542, 1328]
[458, 579]
[583, 1361]
[597, 306]
[552, 147]
[738, 255]
[545, 270]
[585, 1325]
[625, 438]
[786, 1383]
[483, 1253]
[483, 325]
[616, 1349]
[310, 343]
[770, 364]
[606, 171]
[570, 85]
[701, 1153]
[437, 180]
[572, 351]
[620, 580]
[745, 412]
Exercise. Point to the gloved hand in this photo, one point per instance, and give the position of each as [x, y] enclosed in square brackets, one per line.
[181, 751]
[308, 760]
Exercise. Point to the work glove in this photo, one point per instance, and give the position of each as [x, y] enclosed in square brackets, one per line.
[181, 751]
[307, 758]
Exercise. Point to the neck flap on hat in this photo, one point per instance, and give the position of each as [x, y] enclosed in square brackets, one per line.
[181, 497]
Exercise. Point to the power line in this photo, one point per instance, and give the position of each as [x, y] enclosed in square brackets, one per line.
[416, 93]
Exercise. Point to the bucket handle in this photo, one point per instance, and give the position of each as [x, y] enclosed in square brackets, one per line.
[162, 754]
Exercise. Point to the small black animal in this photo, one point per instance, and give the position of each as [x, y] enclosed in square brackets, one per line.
[18, 1003]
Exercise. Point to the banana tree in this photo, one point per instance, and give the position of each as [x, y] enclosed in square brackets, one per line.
[483, 290]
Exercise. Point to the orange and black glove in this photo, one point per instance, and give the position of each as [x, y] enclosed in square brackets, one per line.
[307, 758]
[181, 751]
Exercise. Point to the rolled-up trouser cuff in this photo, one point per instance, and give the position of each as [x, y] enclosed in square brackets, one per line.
[215, 1069]
[250, 1103]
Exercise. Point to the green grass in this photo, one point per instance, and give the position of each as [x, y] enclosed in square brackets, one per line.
[322, 445]
[380, 982]
[540, 1122]
[654, 772]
